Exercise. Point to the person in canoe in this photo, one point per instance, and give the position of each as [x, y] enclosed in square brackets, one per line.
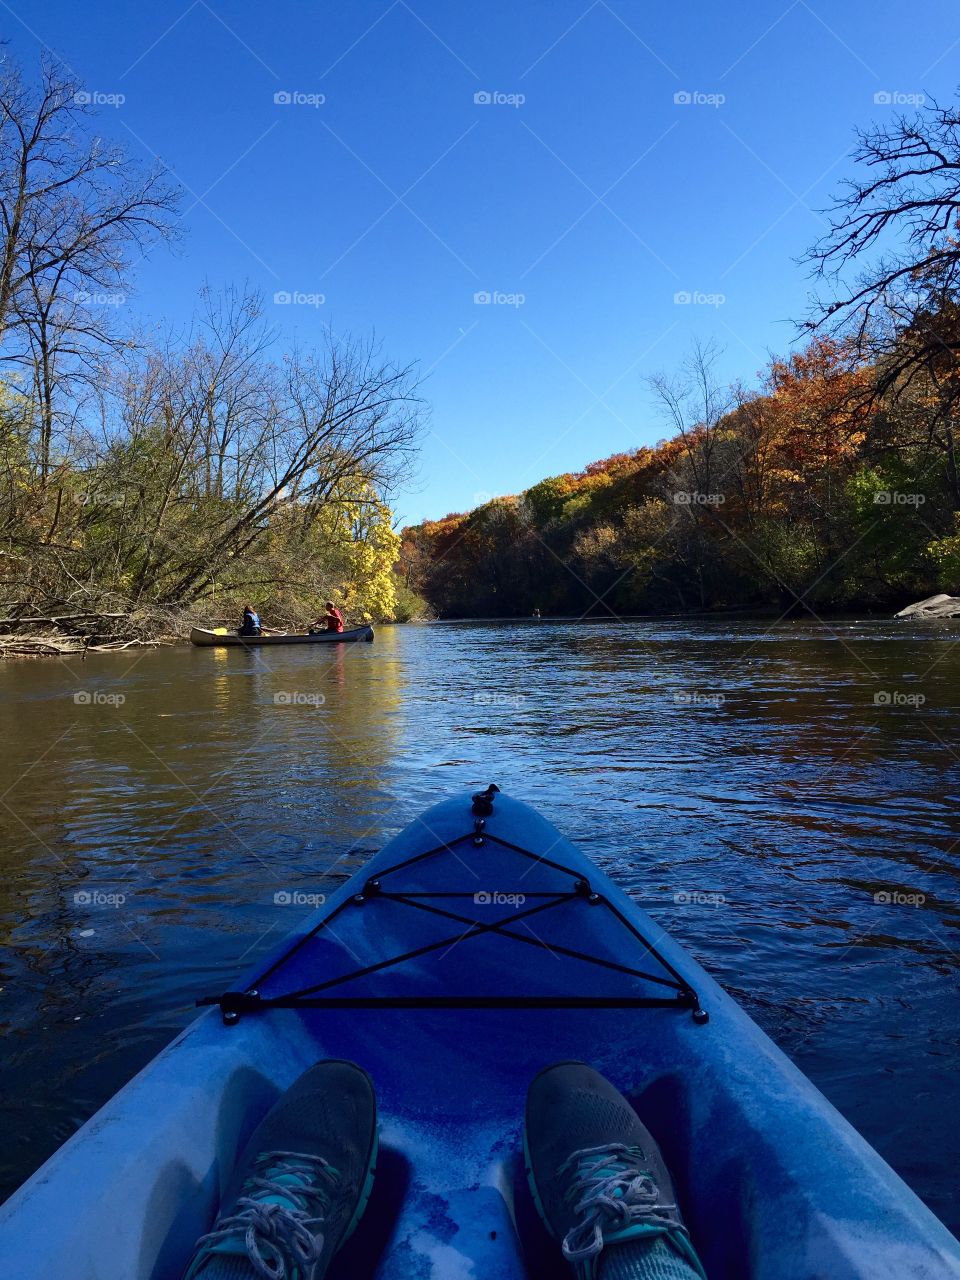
[597, 1177]
[332, 620]
[251, 625]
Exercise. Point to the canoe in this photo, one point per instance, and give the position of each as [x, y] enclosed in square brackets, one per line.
[476, 947]
[201, 636]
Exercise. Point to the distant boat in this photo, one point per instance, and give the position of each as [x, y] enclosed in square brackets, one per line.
[201, 636]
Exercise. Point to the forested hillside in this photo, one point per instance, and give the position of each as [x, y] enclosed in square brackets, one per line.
[812, 491]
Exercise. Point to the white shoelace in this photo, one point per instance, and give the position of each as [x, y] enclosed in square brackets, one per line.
[280, 1241]
[610, 1191]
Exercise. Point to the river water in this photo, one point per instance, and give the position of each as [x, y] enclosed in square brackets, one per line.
[783, 798]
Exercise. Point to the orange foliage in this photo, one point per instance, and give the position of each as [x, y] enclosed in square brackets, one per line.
[818, 406]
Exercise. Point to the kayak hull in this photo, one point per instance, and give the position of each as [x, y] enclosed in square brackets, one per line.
[204, 638]
[772, 1181]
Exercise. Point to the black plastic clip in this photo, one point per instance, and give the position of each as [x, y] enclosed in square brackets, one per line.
[369, 890]
[233, 1003]
[583, 889]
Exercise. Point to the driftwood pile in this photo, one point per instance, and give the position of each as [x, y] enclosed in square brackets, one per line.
[62, 635]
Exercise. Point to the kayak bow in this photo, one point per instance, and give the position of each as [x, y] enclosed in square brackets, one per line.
[476, 947]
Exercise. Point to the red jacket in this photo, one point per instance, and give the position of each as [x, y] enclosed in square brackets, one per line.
[334, 620]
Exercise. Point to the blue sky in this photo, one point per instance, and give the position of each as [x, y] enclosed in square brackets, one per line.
[576, 191]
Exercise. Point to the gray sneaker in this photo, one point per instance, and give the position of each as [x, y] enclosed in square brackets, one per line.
[301, 1185]
[596, 1174]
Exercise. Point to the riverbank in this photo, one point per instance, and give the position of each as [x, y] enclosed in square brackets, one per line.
[59, 635]
[73, 635]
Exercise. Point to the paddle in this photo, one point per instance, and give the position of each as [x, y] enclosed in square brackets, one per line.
[227, 631]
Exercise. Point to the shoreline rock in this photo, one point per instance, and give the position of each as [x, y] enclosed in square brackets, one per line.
[939, 606]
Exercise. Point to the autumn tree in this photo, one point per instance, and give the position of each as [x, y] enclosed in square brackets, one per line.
[75, 211]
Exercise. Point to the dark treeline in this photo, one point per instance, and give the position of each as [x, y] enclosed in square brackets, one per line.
[834, 483]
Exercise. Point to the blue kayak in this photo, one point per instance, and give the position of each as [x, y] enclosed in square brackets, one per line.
[476, 947]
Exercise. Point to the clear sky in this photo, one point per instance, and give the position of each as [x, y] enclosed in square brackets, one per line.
[529, 150]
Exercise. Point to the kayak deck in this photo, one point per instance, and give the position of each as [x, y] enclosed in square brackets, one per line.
[206, 638]
[771, 1180]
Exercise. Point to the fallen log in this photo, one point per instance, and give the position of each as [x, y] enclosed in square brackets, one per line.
[35, 646]
[57, 620]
